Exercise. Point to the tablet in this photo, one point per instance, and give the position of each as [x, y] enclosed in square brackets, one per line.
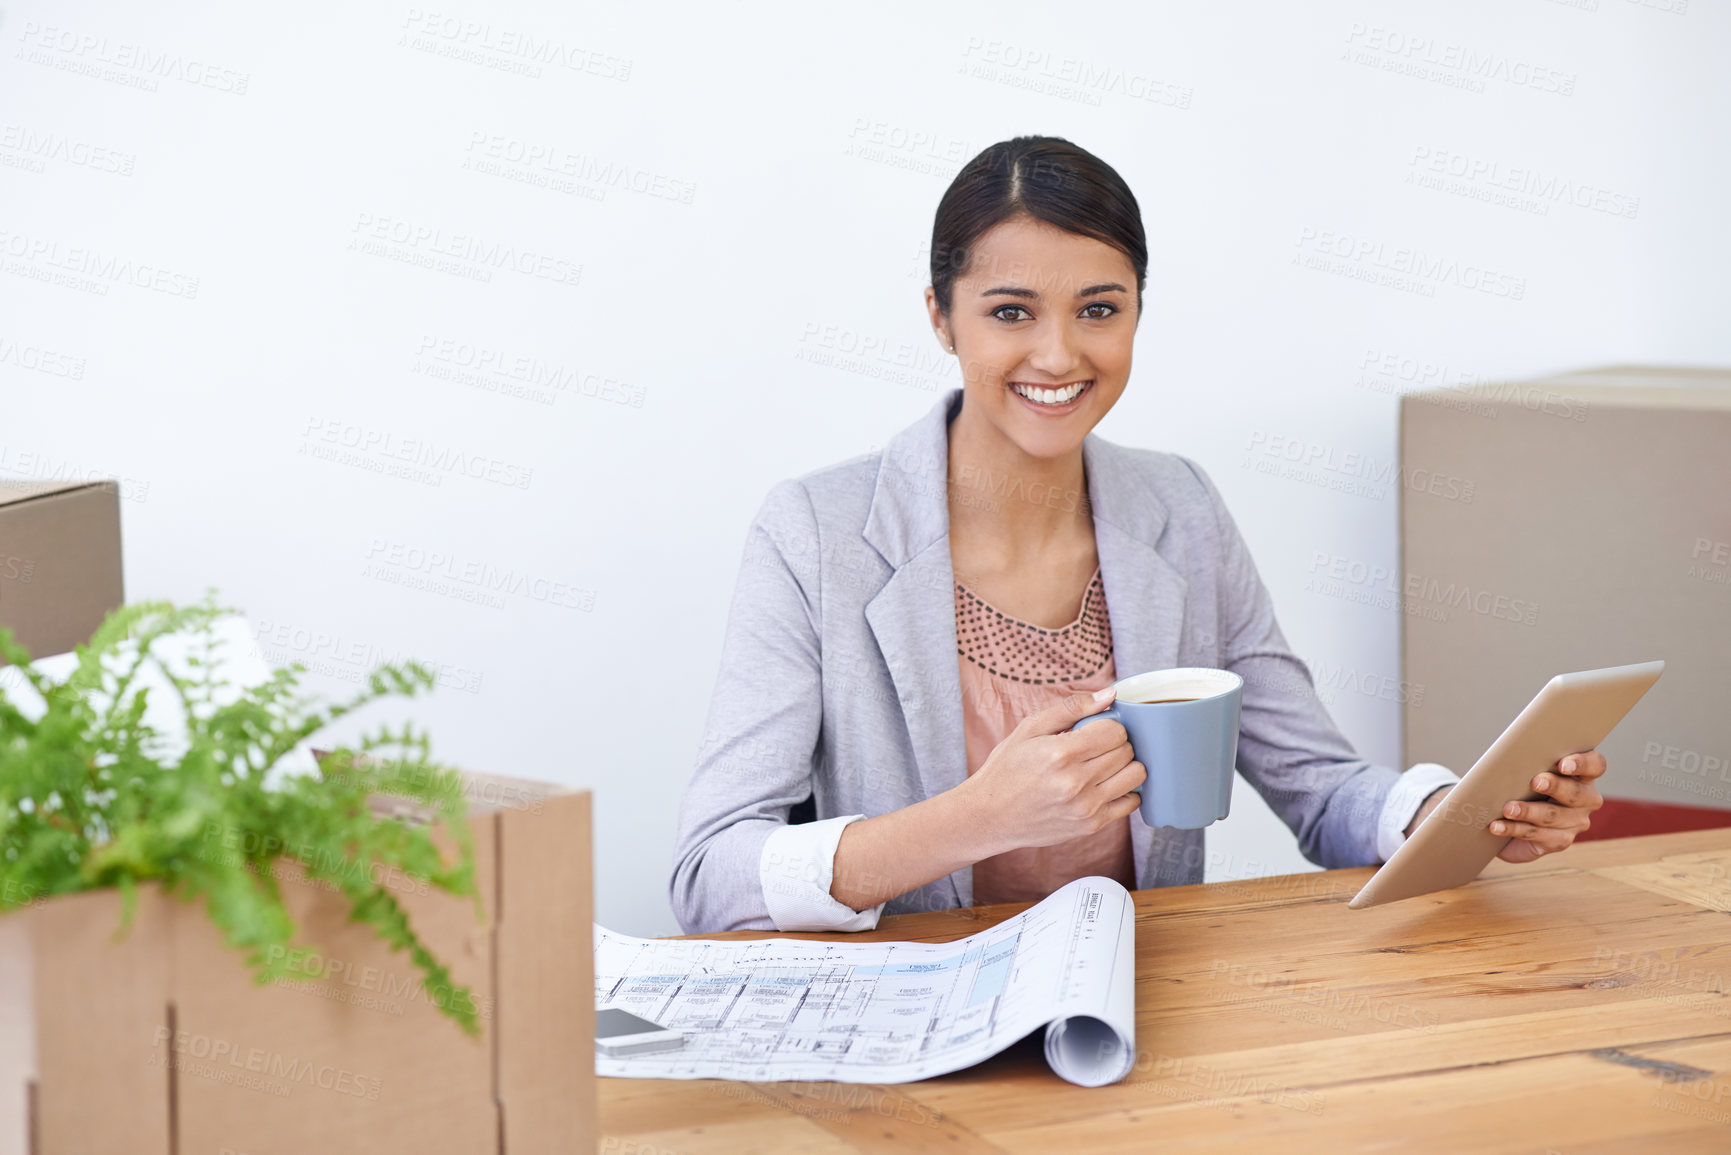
[1572, 714]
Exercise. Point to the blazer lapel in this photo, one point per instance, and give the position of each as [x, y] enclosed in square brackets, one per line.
[1144, 592]
[913, 619]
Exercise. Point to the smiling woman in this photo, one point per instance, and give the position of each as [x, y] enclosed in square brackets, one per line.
[914, 632]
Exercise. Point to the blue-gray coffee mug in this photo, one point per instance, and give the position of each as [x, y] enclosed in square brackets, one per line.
[1183, 727]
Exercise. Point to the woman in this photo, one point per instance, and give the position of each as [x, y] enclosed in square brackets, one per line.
[914, 631]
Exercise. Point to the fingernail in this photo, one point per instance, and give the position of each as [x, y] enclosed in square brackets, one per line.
[1513, 810]
[1497, 828]
[1543, 783]
[1106, 694]
[1570, 765]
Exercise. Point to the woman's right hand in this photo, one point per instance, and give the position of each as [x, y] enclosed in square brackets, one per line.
[1045, 783]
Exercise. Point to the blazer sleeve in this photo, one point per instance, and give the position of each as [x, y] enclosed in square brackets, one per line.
[760, 740]
[1288, 747]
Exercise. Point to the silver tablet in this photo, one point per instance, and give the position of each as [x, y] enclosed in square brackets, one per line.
[1572, 714]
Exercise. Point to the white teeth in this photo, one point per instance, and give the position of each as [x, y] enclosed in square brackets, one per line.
[1051, 396]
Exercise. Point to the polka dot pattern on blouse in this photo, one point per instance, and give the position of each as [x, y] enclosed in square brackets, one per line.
[1020, 651]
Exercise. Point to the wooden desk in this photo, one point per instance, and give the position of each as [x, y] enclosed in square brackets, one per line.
[1578, 1004]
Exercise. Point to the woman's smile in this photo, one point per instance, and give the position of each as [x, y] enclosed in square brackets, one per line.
[1052, 400]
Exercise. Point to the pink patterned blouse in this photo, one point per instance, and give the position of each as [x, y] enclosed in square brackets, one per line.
[1010, 669]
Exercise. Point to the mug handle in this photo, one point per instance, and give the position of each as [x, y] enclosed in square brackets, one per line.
[1109, 712]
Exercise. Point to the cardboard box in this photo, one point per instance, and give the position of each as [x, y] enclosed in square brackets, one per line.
[161, 1044]
[60, 570]
[1567, 523]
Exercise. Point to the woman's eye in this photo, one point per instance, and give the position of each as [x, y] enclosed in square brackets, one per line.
[1005, 312]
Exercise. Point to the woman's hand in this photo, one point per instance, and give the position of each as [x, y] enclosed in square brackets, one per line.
[1045, 784]
[1540, 828]
[1546, 827]
[1040, 785]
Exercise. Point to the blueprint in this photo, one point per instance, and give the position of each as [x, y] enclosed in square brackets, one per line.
[886, 1012]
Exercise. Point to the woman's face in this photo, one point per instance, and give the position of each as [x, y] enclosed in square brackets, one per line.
[1043, 321]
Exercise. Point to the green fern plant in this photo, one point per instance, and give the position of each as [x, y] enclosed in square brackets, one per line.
[92, 796]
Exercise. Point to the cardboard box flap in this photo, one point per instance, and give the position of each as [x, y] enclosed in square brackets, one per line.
[12, 492]
[1660, 387]
[1667, 374]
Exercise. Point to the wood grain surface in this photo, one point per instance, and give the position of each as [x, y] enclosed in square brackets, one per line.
[1579, 1004]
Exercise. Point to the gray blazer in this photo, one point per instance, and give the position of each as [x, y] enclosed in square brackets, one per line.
[839, 678]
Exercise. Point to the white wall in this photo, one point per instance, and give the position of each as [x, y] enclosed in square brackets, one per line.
[780, 176]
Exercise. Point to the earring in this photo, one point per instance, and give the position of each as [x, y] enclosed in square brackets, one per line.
[952, 348]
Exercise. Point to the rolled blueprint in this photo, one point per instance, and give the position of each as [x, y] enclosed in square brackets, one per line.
[887, 1012]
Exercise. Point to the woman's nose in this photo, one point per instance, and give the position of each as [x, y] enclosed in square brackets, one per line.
[1054, 352]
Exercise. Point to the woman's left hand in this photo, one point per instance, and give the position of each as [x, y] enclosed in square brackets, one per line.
[1539, 828]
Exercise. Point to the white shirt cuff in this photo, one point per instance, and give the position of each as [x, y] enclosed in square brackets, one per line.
[1403, 802]
[796, 869]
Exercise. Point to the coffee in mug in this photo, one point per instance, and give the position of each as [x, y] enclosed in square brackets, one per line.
[1183, 728]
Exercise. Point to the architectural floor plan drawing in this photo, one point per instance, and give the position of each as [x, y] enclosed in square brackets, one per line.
[886, 1012]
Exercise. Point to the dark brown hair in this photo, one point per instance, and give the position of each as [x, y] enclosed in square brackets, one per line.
[1049, 179]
